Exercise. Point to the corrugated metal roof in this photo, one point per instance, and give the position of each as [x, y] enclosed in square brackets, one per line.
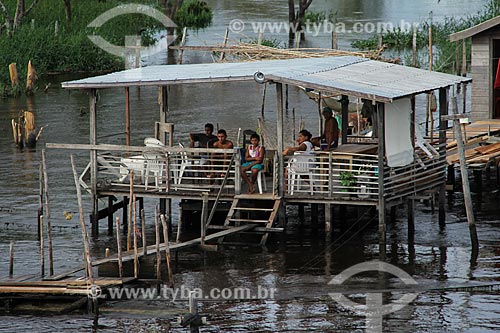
[350, 75]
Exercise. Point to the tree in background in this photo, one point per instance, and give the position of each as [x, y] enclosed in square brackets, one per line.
[11, 24]
[296, 19]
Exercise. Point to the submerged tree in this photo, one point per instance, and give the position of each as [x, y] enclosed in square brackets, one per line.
[296, 19]
[11, 24]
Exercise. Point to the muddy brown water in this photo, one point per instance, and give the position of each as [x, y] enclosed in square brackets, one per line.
[298, 265]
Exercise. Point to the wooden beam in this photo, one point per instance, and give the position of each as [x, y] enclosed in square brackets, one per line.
[447, 117]
[443, 124]
[381, 192]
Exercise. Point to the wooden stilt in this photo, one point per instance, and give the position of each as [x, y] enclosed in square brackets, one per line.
[110, 215]
[119, 248]
[47, 214]
[443, 111]
[301, 214]
[204, 217]
[167, 251]
[465, 179]
[179, 225]
[328, 219]
[280, 148]
[107, 252]
[134, 231]
[411, 221]
[193, 311]
[381, 180]
[125, 215]
[11, 259]
[40, 197]
[130, 206]
[86, 246]
[168, 215]
[93, 160]
[42, 247]
[314, 215]
[157, 246]
[143, 225]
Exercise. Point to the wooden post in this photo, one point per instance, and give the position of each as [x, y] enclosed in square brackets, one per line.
[260, 36]
[163, 102]
[280, 148]
[320, 118]
[431, 60]
[204, 216]
[93, 160]
[136, 255]
[144, 243]
[14, 78]
[127, 116]
[167, 251]
[130, 205]
[40, 196]
[31, 78]
[42, 247]
[157, 246]
[11, 259]
[224, 44]
[328, 219]
[47, 214]
[335, 44]
[464, 59]
[411, 221]
[286, 98]
[107, 252]
[381, 180]
[119, 248]
[379, 41]
[110, 215]
[443, 124]
[193, 310]
[263, 101]
[414, 46]
[183, 41]
[345, 117]
[86, 247]
[465, 178]
[125, 215]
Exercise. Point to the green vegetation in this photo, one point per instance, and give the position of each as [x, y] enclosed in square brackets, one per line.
[55, 44]
[400, 41]
[193, 13]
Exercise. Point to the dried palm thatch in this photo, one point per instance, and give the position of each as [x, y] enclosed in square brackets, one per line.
[250, 51]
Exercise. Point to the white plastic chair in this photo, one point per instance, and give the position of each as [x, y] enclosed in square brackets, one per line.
[298, 167]
[154, 162]
[261, 180]
[152, 142]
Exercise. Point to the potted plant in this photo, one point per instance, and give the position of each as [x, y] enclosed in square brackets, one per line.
[347, 179]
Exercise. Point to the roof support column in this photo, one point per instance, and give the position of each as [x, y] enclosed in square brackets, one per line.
[443, 124]
[281, 164]
[127, 116]
[93, 159]
[381, 180]
[344, 101]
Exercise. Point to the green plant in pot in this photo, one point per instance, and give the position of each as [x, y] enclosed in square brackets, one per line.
[347, 179]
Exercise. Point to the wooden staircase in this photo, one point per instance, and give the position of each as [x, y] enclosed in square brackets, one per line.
[258, 210]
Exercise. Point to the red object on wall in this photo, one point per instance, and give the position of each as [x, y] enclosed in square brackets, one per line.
[497, 77]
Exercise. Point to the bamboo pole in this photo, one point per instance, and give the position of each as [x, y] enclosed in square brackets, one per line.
[167, 251]
[129, 219]
[40, 195]
[465, 178]
[263, 100]
[224, 43]
[11, 259]
[42, 250]
[119, 248]
[136, 256]
[143, 224]
[86, 246]
[157, 245]
[183, 41]
[47, 214]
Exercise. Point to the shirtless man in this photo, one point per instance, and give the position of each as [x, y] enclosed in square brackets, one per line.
[330, 132]
[222, 143]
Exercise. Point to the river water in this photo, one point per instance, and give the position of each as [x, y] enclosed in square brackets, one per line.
[300, 264]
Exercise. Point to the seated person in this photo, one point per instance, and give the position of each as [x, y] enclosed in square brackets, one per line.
[222, 143]
[305, 146]
[203, 139]
[330, 134]
[254, 156]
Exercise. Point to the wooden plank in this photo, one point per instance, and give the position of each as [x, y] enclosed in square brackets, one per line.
[247, 220]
